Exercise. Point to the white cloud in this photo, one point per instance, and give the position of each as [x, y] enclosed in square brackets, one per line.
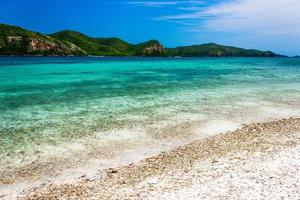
[190, 8]
[266, 24]
[164, 3]
[276, 17]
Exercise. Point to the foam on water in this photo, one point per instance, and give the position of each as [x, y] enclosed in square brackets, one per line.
[216, 127]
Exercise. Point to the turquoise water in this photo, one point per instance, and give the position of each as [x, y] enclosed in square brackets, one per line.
[51, 101]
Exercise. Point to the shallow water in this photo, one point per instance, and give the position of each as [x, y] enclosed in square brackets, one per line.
[46, 103]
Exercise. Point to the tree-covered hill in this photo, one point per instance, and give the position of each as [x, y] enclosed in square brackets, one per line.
[216, 50]
[96, 46]
[110, 46]
[17, 41]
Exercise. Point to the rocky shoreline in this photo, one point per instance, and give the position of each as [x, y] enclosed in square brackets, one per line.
[223, 166]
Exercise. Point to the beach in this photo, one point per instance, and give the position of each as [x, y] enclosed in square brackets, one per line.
[150, 100]
[257, 161]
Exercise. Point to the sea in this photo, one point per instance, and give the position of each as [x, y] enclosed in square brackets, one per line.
[71, 110]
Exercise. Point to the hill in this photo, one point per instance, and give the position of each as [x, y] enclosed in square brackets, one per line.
[96, 46]
[110, 46]
[216, 50]
[17, 41]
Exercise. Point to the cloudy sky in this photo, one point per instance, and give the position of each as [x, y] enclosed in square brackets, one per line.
[262, 24]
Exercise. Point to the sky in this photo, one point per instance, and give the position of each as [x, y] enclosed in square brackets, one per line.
[259, 24]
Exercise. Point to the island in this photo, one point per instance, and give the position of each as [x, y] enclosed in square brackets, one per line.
[18, 41]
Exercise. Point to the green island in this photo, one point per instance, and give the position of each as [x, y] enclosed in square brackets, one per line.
[18, 41]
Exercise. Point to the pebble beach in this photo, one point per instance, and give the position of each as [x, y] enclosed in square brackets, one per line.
[257, 161]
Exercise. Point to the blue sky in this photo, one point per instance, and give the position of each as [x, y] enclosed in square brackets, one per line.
[262, 24]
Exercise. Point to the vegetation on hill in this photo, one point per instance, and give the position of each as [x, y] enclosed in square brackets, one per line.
[18, 41]
[110, 46]
[215, 50]
[96, 46]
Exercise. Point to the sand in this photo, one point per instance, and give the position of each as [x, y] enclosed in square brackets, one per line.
[257, 161]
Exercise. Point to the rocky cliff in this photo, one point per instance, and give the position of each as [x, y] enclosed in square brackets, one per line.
[18, 41]
[156, 49]
[38, 45]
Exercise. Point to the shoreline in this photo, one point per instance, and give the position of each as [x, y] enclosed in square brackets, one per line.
[154, 57]
[267, 139]
[72, 167]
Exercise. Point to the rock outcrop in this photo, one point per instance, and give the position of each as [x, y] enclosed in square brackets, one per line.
[38, 45]
[14, 39]
[156, 49]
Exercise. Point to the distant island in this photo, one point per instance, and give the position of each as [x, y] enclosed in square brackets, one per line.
[18, 41]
